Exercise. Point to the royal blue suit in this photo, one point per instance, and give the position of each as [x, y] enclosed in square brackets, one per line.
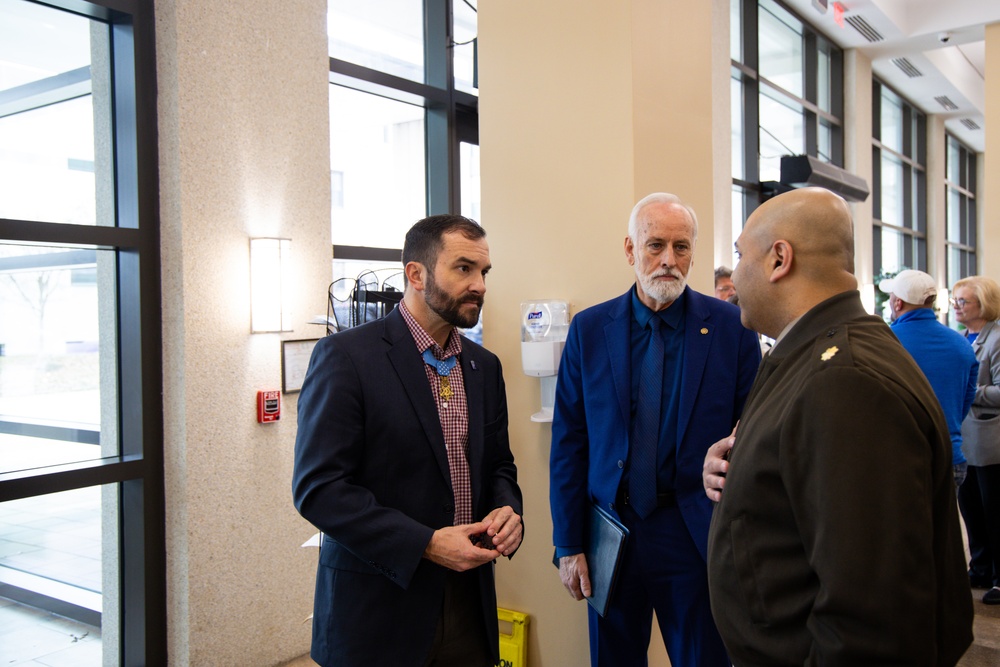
[371, 472]
[592, 422]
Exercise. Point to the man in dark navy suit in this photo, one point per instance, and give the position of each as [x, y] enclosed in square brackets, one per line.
[402, 460]
[647, 382]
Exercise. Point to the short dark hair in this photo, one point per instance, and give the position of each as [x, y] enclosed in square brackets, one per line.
[423, 241]
[722, 272]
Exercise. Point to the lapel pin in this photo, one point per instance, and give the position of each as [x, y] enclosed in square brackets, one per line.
[704, 330]
[828, 355]
[473, 364]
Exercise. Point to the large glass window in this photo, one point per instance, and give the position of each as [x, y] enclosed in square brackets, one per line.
[387, 36]
[471, 198]
[735, 34]
[899, 210]
[464, 28]
[739, 214]
[396, 145]
[737, 123]
[47, 119]
[787, 92]
[960, 190]
[743, 89]
[801, 94]
[782, 131]
[404, 129]
[780, 48]
[51, 364]
[81, 521]
[53, 546]
[376, 155]
[827, 71]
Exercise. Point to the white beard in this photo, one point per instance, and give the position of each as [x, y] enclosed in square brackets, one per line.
[663, 292]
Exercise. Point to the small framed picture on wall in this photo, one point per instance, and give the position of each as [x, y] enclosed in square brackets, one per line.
[294, 362]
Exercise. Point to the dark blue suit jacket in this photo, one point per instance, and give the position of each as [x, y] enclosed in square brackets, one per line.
[591, 424]
[371, 472]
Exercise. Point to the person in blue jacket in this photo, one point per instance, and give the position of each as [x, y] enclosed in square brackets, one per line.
[943, 354]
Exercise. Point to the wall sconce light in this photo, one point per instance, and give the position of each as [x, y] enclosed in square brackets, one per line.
[269, 263]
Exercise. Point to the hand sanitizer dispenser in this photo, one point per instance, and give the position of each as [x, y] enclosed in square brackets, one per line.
[544, 324]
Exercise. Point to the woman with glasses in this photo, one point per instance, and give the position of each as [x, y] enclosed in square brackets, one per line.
[976, 301]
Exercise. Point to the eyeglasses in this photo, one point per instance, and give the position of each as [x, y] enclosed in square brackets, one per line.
[962, 303]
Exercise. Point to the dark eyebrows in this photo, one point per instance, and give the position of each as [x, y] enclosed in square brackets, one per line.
[465, 261]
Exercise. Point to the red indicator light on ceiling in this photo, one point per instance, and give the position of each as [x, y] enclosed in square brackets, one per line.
[838, 13]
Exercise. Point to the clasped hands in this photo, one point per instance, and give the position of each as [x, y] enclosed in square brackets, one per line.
[468, 546]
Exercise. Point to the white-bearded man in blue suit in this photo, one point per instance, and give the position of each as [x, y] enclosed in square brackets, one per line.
[642, 459]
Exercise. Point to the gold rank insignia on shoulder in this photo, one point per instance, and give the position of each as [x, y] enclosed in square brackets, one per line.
[830, 351]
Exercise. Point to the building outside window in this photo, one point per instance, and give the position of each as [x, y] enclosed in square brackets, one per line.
[899, 184]
[787, 98]
[404, 137]
[81, 476]
[960, 191]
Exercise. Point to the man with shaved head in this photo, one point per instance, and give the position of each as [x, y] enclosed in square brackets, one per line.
[836, 539]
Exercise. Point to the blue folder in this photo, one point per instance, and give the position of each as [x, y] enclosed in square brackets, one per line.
[604, 545]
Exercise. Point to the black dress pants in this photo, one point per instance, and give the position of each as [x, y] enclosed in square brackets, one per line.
[460, 639]
[979, 500]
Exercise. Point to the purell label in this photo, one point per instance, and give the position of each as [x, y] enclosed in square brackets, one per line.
[536, 322]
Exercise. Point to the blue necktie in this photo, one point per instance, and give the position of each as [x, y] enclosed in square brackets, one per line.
[646, 429]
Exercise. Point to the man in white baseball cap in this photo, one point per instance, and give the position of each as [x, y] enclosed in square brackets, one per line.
[944, 356]
[914, 287]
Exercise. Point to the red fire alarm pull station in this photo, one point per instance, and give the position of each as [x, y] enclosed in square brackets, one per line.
[268, 406]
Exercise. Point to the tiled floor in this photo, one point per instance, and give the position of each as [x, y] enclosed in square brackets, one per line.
[55, 540]
[29, 637]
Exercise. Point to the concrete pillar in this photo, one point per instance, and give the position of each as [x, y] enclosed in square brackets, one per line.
[858, 160]
[243, 125]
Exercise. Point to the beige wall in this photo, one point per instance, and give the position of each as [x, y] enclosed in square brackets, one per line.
[243, 123]
[557, 167]
[583, 110]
